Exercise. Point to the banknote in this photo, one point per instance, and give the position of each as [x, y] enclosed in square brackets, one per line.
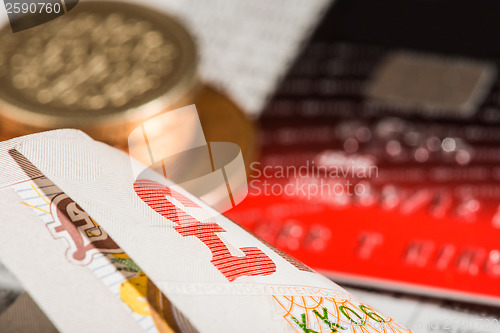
[70, 266]
[217, 275]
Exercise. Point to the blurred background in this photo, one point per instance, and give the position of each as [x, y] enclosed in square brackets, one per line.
[369, 129]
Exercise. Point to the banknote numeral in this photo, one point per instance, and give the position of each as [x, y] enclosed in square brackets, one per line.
[253, 262]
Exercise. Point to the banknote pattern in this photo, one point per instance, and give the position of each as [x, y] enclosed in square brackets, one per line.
[327, 314]
[213, 272]
[88, 244]
[254, 262]
[302, 313]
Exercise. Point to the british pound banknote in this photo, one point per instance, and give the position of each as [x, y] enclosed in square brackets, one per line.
[73, 207]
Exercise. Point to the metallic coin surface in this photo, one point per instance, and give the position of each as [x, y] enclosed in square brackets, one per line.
[102, 68]
[224, 121]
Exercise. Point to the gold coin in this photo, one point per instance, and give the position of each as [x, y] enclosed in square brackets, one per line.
[221, 120]
[103, 67]
[224, 121]
[194, 159]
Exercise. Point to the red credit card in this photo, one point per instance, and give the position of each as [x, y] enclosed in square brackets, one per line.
[443, 241]
[372, 173]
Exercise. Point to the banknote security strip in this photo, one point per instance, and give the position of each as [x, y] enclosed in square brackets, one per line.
[208, 267]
